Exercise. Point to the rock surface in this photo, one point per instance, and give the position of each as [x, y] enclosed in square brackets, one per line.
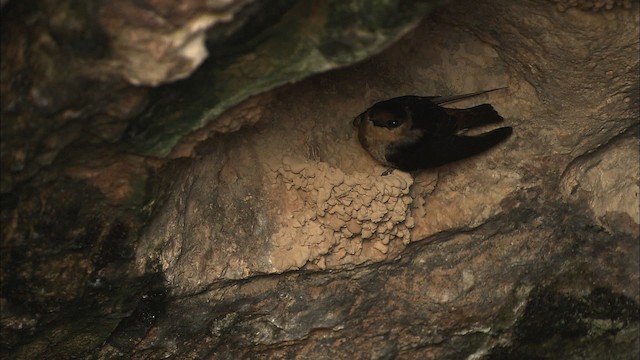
[269, 232]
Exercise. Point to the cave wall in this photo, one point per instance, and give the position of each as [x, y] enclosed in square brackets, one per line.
[225, 222]
[314, 199]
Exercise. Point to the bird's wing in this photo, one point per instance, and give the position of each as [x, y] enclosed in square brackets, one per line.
[448, 99]
[428, 116]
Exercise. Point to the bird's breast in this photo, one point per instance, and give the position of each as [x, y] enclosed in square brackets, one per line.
[379, 142]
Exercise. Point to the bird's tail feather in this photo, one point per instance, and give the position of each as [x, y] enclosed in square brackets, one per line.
[448, 99]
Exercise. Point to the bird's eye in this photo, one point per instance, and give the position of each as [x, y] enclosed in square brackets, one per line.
[393, 123]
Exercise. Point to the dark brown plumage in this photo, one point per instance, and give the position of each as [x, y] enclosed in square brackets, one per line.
[413, 132]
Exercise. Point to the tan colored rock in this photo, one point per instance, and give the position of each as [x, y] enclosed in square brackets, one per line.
[608, 181]
[457, 261]
[322, 202]
[158, 43]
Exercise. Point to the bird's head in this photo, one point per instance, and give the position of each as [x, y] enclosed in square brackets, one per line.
[384, 126]
[388, 121]
[386, 114]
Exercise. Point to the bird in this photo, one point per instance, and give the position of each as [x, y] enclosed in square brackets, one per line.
[412, 132]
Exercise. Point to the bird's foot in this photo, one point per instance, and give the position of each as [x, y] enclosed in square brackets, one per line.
[387, 172]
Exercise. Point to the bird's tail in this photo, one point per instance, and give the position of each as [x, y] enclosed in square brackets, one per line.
[448, 99]
[467, 146]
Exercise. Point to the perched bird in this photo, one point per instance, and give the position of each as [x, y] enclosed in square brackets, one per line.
[414, 132]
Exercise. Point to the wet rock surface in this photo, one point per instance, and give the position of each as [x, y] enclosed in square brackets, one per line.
[267, 231]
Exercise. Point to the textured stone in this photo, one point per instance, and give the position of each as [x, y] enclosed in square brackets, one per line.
[269, 232]
[607, 179]
[488, 244]
[79, 63]
[158, 41]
